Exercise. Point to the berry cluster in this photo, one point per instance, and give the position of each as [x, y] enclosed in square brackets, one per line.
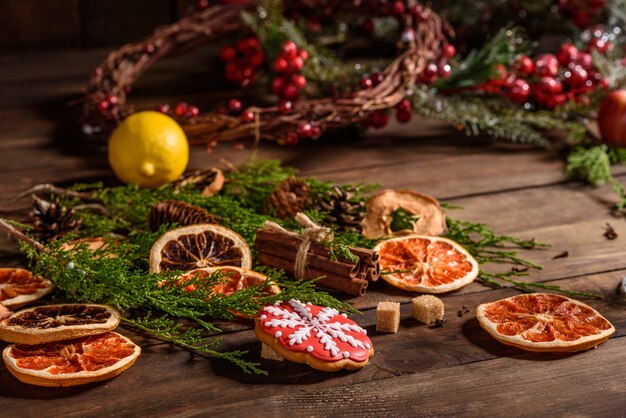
[306, 130]
[108, 106]
[550, 80]
[439, 69]
[243, 60]
[182, 111]
[288, 67]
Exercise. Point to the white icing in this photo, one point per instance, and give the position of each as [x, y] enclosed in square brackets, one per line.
[346, 354]
[278, 334]
[309, 349]
[262, 317]
[368, 346]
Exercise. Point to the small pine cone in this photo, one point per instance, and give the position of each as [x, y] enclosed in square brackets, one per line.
[288, 198]
[181, 213]
[342, 212]
[51, 219]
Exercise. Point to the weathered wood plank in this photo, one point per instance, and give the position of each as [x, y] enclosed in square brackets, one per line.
[587, 384]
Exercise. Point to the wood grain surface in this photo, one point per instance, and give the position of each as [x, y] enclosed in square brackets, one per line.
[456, 370]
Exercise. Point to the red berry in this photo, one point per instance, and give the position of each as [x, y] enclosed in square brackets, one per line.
[285, 107]
[112, 99]
[149, 49]
[303, 54]
[584, 60]
[193, 111]
[290, 92]
[500, 72]
[248, 45]
[305, 130]
[377, 78]
[403, 116]
[257, 59]
[419, 13]
[518, 91]
[164, 108]
[316, 132]
[292, 138]
[576, 76]
[180, 109]
[280, 65]
[524, 65]
[289, 50]
[233, 73]
[550, 85]
[600, 44]
[102, 106]
[580, 18]
[567, 53]
[247, 116]
[247, 72]
[547, 66]
[278, 85]
[449, 51]
[228, 53]
[404, 105]
[379, 119]
[234, 106]
[202, 4]
[365, 83]
[397, 8]
[299, 81]
[431, 70]
[297, 64]
[444, 70]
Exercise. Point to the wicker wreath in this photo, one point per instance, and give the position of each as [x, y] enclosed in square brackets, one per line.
[112, 80]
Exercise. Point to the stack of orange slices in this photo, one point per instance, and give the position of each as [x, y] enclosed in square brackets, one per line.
[66, 345]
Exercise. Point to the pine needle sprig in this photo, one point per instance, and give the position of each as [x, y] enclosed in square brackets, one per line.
[168, 330]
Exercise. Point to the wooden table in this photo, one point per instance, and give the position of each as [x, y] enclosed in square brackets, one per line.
[454, 370]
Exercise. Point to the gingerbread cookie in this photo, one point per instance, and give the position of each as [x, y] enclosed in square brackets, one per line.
[319, 336]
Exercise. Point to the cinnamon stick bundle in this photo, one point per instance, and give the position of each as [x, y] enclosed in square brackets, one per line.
[280, 249]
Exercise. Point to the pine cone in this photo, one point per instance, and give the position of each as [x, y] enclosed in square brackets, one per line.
[51, 219]
[176, 212]
[288, 198]
[342, 212]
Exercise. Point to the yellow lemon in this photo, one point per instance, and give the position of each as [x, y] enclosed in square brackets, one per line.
[148, 148]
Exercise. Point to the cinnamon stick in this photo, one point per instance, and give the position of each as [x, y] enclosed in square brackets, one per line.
[332, 281]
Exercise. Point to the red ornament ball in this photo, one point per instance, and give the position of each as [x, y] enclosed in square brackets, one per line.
[612, 118]
[567, 53]
[524, 65]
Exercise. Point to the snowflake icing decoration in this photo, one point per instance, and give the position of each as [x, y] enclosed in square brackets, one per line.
[321, 331]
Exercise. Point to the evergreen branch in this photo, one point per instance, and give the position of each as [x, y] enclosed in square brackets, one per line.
[478, 66]
[167, 330]
[489, 115]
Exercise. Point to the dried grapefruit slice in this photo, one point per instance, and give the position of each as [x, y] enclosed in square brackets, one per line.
[73, 362]
[19, 287]
[425, 264]
[44, 324]
[544, 322]
[199, 246]
[231, 280]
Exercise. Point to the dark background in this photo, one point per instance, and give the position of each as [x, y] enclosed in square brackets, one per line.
[35, 25]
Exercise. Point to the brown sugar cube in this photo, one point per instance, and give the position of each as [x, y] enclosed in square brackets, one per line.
[388, 317]
[427, 309]
[268, 353]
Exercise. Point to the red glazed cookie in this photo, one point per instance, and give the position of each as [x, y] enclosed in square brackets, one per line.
[318, 336]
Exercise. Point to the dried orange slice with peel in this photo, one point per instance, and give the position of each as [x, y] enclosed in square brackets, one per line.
[73, 362]
[43, 324]
[420, 263]
[19, 287]
[199, 246]
[231, 280]
[544, 322]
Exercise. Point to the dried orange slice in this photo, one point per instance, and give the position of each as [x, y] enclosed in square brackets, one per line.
[425, 264]
[19, 287]
[199, 246]
[231, 280]
[72, 362]
[44, 324]
[544, 322]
